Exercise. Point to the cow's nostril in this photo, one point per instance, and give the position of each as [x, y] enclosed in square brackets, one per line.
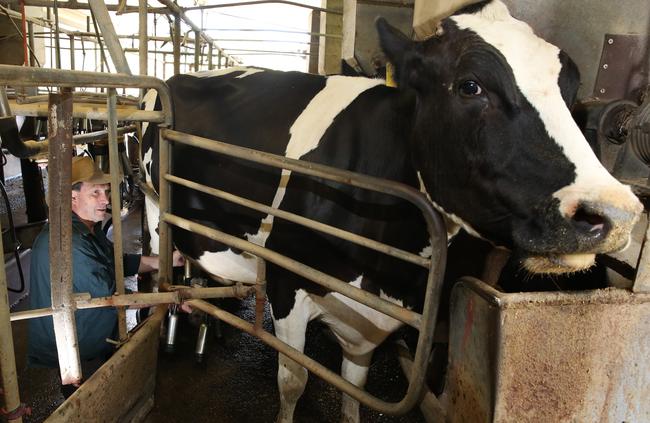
[589, 222]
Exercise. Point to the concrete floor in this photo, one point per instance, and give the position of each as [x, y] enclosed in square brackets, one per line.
[236, 383]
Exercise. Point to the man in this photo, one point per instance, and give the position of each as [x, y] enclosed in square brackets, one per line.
[93, 271]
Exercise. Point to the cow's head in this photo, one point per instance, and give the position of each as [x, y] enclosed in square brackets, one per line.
[495, 143]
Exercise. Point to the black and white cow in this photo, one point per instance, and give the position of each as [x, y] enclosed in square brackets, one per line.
[479, 122]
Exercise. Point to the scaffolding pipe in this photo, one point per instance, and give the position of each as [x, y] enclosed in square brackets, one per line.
[116, 207]
[60, 246]
[18, 75]
[142, 40]
[110, 37]
[177, 44]
[7, 358]
[197, 50]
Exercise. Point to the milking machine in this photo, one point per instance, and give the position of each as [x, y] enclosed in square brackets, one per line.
[198, 318]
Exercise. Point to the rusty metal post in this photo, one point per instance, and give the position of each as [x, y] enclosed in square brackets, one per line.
[210, 64]
[32, 54]
[7, 358]
[219, 60]
[114, 163]
[165, 245]
[177, 44]
[142, 40]
[197, 50]
[72, 51]
[60, 199]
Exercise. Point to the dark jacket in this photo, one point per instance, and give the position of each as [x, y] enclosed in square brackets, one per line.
[93, 272]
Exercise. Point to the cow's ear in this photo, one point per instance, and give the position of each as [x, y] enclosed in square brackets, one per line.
[393, 42]
[400, 52]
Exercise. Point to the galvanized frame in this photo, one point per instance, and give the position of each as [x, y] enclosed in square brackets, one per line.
[424, 322]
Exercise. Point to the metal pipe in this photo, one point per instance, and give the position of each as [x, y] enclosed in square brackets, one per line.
[7, 353]
[21, 76]
[31, 314]
[29, 148]
[197, 50]
[430, 406]
[403, 315]
[72, 52]
[5, 110]
[210, 57]
[57, 36]
[30, 34]
[142, 40]
[174, 8]
[313, 366]
[110, 38]
[116, 207]
[309, 223]
[254, 2]
[165, 244]
[60, 247]
[177, 44]
[435, 228]
[91, 112]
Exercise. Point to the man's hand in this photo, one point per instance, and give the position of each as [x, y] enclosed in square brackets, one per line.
[177, 259]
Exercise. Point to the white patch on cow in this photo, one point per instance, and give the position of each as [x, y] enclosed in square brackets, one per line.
[153, 217]
[309, 128]
[149, 101]
[427, 251]
[453, 223]
[147, 159]
[229, 265]
[225, 71]
[20, 121]
[351, 328]
[536, 67]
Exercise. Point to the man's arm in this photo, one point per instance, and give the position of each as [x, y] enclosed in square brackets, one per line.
[151, 263]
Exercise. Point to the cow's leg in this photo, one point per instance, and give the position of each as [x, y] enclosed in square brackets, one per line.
[355, 370]
[292, 377]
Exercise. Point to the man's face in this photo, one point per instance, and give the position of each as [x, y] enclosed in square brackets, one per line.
[89, 203]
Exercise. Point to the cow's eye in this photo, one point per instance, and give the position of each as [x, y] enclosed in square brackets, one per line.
[469, 88]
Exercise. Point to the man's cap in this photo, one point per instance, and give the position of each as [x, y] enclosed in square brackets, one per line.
[84, 169]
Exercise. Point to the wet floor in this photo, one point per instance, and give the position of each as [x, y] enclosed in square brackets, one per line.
[236, 383]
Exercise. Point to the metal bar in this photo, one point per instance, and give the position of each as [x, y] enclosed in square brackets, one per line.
[174, 8]
[110, 38]
[137, 299]
[30, 148]
[435, 227]
[313, 366]
[210, 57]
[176, 45]
[142, 40]
[254, 2]
[411, 318]
[285, 31]
[164, 250]
[72, 52]
[313, 169]
[430, 406]
[31, 314]
[30, 35]
[7, 353]
[21, 76]
[197, 50]
[309, 223]
[116, 207]
[5, 110]
[60, 197]
[91, 112]
[57, 36]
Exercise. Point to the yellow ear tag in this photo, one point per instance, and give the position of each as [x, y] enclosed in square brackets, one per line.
[390, 72]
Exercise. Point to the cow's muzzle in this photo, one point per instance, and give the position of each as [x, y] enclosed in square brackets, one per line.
[586, 228]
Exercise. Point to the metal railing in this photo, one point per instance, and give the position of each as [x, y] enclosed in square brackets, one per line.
[424, 322]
